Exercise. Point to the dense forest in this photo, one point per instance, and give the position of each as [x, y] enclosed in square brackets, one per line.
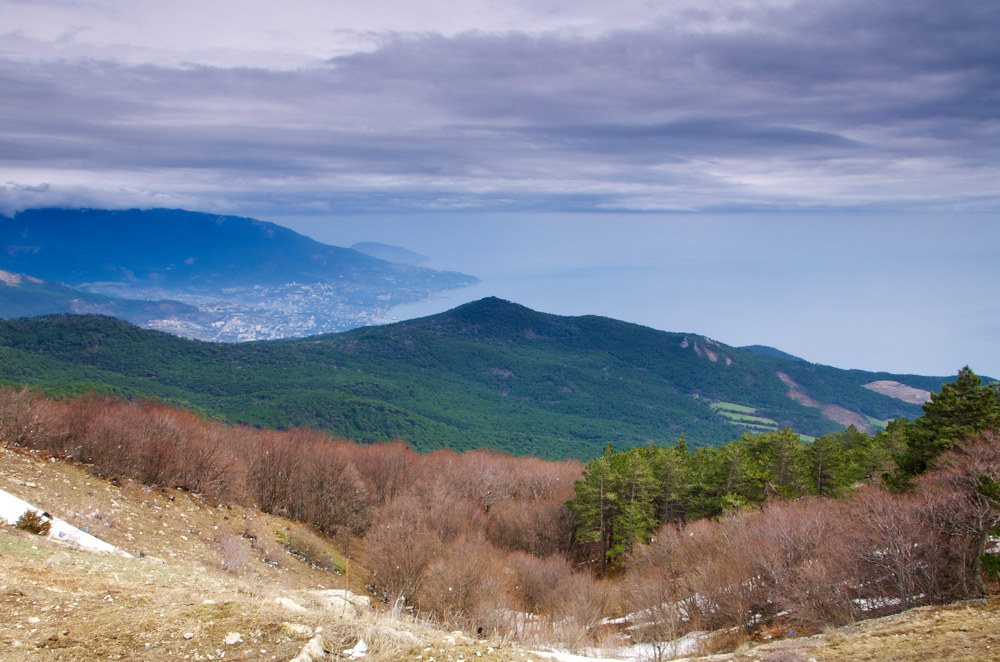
[767, 530]
[489, 374]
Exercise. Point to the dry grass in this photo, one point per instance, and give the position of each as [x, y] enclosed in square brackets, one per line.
[206, 570]
[962, 633]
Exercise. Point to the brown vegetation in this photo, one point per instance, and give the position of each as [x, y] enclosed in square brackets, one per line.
[482, 541]
[439, 533]
[816, 562]
[208, 570]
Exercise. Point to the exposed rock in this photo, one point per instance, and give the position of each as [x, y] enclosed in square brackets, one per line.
[899, 391]
[291, 605]
[233, 638]
[314, 651]
[296, 628]
[835, 413]
[343, 603]
[360, 650]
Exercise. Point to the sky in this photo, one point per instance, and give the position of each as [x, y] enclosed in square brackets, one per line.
[822, 176]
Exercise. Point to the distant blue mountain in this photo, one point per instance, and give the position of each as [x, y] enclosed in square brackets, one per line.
[250, 279]
[173, 248]
[389, 253]
[25, 296]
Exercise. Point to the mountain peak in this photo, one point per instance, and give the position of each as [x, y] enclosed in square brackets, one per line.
[501, 320]
[771, 352]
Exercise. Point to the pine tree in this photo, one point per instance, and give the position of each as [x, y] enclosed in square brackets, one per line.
[672, 472]
[960, 410]
[615, 503]
[636, 518]
[840, 459]
[591, 507]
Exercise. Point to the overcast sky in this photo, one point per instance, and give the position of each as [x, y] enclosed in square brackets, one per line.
[821, 175]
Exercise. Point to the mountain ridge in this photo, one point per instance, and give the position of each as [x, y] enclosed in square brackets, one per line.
[490, 374]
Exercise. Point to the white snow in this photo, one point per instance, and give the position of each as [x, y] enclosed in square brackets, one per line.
[570, 657]
[689, 644]
[11, 508]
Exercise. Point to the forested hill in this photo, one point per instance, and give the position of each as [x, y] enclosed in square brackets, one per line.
[487, 374]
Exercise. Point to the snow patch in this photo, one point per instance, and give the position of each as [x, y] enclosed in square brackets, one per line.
[11, 509]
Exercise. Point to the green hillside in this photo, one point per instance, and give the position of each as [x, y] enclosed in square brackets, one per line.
[487, 374]
[24, 296]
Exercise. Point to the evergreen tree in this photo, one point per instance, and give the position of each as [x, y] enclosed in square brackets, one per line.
[839, 460]
[672, 472]
[615, 503]
[709, 470]
[960, 410]
[636, 518]
[827, 460]
[786, 461]
[591, 507]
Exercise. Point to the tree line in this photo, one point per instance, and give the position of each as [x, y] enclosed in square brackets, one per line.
[626, 496]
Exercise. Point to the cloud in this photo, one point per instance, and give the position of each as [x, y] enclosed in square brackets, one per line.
[713, 105]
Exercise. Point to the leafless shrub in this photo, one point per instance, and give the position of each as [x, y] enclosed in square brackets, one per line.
[22, 421]
[456, 582]
[801, 555]
[400, 546]
[387, 469]
[540, 584]
[960, 515]
[329, 491]
[234, 553]
[584, 602]
[727, 591]
[658, 591]
[540, 528]
[890, 546]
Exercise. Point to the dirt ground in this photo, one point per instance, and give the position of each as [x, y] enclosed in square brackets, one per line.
[961, 633]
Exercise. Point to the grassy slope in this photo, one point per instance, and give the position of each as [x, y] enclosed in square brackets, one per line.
[967, 632]
[60, 604]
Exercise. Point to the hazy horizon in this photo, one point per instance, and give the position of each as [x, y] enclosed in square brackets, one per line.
[879, 296]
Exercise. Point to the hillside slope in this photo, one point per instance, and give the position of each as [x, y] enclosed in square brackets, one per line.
[487, 374]
[25, 296]
[205, 579]
[174, 249]
[210, 571]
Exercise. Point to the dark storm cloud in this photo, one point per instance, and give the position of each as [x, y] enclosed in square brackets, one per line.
[661, 117]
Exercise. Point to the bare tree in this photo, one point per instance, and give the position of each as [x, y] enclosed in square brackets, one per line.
[400, 546]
